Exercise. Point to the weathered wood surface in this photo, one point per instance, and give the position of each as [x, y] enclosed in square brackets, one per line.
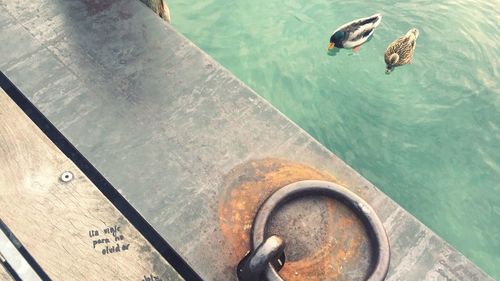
[4, 276]
[70, 228]
[15, 260]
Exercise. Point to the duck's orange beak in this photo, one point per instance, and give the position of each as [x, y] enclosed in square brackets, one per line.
[331, 46]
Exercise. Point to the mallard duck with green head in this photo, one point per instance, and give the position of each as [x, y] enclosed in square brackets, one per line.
[355, 33]
[400, 52]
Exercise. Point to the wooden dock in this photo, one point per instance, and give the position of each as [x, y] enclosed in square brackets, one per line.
[60, 217]
[4, 275]
[191, 148]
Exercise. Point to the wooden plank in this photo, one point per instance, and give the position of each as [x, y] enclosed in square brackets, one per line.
[70, 228]
[4, 276]
[12, 258]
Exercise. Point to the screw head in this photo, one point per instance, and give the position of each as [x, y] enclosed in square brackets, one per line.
[66, 176]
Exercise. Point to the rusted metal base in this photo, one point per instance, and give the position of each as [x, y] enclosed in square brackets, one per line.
[324, 239]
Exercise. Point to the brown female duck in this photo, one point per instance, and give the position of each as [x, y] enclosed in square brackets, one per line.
[400, 52]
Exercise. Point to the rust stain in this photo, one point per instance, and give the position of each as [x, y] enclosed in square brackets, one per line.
[249, 184]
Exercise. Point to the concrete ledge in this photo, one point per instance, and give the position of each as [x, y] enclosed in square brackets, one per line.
[165, 123]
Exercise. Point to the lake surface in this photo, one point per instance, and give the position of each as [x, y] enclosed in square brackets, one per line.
[428, 134]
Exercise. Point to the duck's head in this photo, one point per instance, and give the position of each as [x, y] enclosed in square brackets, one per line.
[414, 31]
[336, 39]
[391, 63]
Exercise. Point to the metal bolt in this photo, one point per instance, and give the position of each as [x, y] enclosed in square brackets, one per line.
[66, 176]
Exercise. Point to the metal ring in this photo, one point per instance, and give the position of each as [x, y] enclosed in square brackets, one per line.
[371, 221]
[254, 263]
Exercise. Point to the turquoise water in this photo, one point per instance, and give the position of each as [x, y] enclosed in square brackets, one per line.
[428, 134]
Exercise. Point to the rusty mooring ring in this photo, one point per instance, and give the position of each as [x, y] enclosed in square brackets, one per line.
[371, 221]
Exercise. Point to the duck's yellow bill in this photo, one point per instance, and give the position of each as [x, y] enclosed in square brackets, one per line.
[331, 46]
